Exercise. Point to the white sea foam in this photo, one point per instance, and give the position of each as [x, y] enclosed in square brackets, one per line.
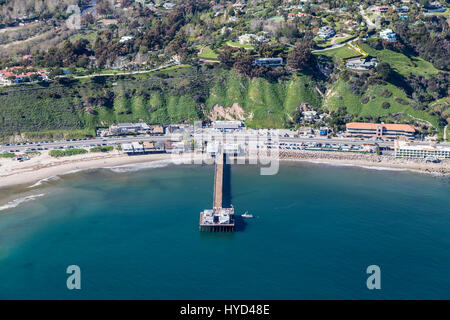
[74, 171]
[16, 202]
[52, 178]
[140, 166]
[375, 167]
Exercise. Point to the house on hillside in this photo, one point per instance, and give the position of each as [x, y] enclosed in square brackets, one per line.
[361, 64]
[326, 32]
[269, 62]
[388, 35]
[249, 38]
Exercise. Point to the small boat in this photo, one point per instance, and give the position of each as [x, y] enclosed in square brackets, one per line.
[247, 215]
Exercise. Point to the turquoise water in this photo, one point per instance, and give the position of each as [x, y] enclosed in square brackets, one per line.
[317, 228]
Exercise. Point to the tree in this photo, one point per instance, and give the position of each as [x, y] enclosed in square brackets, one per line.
[300, 56]
[244, 65]
[384, 71]
[226, 57]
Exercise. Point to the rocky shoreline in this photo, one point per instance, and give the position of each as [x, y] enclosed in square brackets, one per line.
[366, 160]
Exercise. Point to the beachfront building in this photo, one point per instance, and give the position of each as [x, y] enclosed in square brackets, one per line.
[122, 128]
[228, 125]
[214, 148]
[388, 35]
[156, 130]
[140, 148]
[404, 150]
[174, 147]
[326, 32]
[379, 130]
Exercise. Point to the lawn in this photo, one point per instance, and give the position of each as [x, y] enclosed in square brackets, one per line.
[401, 63]
[238, 45]
[208, 54]
[340, 53]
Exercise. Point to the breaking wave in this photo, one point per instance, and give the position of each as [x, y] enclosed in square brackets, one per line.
[52, 178]
[16, 202]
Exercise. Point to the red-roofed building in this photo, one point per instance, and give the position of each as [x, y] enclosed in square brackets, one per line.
[20, 74]
[379, 130]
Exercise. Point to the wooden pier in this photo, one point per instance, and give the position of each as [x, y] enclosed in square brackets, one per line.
[218, 185]
[217, 219]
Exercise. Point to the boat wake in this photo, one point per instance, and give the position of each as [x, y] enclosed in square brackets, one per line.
[16, 202]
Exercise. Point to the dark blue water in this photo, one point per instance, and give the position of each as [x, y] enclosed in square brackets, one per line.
[317, 228]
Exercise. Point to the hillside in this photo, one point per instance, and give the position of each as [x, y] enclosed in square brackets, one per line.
[84, 105]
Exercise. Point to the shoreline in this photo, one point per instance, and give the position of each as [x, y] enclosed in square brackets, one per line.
[44, 167]
[367, 161]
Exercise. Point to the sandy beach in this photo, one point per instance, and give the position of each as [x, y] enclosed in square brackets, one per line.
[44, 166]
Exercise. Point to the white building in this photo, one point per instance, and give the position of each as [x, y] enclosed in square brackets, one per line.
[228, 125]
[168, 5]
[125, 39]
[388, 35]
[309, 115]
[361, 64]
[326, 32]
[137, 147]
[134, 147]
[128, 127]
[404, 150]
[249, 38]
[127, 147]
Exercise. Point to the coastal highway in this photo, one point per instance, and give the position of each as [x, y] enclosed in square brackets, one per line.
[98, 141]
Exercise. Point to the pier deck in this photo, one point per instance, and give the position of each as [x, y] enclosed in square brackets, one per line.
[218, 186]
[217, 219]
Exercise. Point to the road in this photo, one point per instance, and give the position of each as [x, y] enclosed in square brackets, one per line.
[170, 64]
[336, 46]
[369, 22]
[99, 141]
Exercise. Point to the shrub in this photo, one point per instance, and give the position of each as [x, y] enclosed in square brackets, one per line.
[365, 99]
[66, 153]
[385, 105]
[401, 101]
[7, 155]
[102, 149]
[386, 93]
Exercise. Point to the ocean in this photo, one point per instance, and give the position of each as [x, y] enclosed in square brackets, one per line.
[133, 231]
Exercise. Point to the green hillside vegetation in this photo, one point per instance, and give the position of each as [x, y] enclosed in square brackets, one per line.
[400, 106]
[401, 63]
[208, 53]
[269, 104]
[76, 110]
